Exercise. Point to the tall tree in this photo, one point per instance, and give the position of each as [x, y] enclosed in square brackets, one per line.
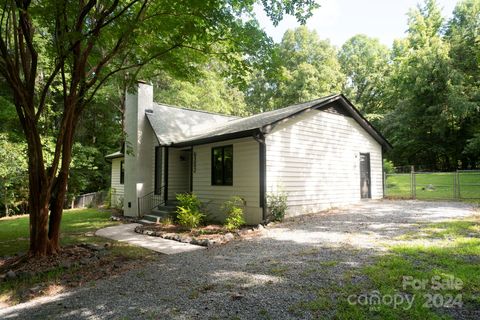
[211, 91]
[79, 45]
[463, 35]
[302, 68]
[427, 103]
[365, 62]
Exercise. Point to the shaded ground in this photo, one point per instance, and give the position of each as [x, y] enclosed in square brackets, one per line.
[296, 270]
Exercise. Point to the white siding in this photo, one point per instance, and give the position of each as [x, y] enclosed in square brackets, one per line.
[116, 186]
[245, 178]
[178, 172]
[315, 159]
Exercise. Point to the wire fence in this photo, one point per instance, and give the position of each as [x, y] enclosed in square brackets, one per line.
[90, 200]
[457, 185]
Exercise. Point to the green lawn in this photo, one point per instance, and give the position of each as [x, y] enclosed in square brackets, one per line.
[77, 227]
[452, 252]
[76, 223]
[447, 250]
[434, 185]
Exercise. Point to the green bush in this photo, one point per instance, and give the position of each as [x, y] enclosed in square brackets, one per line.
[234, 211]
[388, 166]
[277, 205]
[188, 218]
[188, 210]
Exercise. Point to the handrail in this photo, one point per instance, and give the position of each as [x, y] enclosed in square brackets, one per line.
[149, 201]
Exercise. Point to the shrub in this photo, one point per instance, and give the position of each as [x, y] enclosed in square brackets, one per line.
[188, 210]
[188, 218]
[388, 166]
[234, 210]
[277, 205]
[189, 201]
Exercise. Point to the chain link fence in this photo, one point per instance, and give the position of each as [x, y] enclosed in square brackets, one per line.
[89, 200]
[457, 185]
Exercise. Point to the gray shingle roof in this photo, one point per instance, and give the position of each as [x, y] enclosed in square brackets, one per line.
[173, 124]
[254, 122]
[180, 127]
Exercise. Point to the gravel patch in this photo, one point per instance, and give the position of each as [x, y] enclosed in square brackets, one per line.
[258, 278]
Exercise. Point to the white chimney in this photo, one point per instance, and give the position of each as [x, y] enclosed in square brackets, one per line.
[138, 147]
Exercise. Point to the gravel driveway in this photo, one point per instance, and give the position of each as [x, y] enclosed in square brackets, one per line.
[261, 278]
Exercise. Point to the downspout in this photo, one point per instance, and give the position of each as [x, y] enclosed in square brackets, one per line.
[262, 148]
[191, 169]
[384, 176]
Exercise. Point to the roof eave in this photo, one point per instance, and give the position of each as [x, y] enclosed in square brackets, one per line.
[110, 157]
[219, 138]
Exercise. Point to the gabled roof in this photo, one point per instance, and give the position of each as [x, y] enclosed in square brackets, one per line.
[263, 123]
[174, 124]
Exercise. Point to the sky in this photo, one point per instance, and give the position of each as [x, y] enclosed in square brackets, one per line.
[338, 20]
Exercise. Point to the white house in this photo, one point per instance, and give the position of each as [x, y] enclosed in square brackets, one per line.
[321, 153]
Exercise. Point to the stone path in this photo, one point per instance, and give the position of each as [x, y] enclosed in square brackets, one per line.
[126, 233]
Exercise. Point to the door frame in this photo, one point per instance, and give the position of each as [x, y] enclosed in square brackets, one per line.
[369, 181]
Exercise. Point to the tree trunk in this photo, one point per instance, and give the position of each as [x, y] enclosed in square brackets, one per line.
[46, 198]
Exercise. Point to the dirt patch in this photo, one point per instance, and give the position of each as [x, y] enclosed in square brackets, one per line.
[23, 278]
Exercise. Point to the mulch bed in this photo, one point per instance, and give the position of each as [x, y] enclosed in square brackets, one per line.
[207, 236]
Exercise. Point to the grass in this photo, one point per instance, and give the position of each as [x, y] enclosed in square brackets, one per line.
[442, 185]
[14, 235]
[77, 227]
[447, 250]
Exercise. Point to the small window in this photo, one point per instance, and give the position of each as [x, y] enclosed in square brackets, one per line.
[222, 166]
[122, 172]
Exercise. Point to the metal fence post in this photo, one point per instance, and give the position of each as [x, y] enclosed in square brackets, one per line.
[455, 185]
[413, 184]
[457, 188]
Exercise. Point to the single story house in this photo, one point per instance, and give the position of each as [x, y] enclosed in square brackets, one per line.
[322, 153]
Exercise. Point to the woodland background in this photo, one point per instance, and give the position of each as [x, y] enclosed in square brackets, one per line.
[423, 94]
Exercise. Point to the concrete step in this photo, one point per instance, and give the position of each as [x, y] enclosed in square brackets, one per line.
[151, 218]
[163, 212]
[146, 221]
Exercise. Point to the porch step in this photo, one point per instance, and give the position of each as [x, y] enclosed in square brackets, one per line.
[159, 213]
[146, 221]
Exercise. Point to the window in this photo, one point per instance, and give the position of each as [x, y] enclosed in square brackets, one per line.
[222, 166]
[122, 172]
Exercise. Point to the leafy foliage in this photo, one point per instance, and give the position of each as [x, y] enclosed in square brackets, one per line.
[233, 208]
[188, 210]
[13, 176]
[302, 68]
[277, 205]
[364, 61]
[430, 111]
